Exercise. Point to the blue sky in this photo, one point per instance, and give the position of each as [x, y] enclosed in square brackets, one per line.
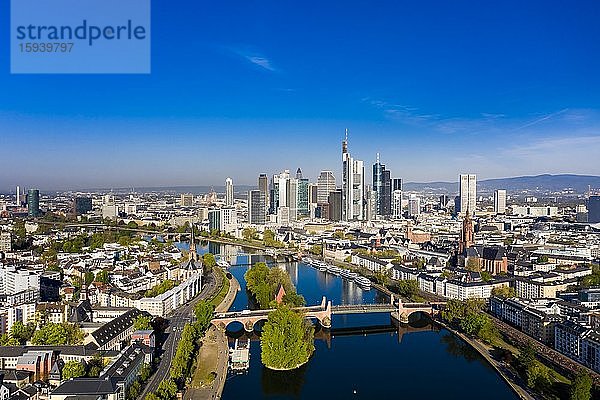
[240, 88]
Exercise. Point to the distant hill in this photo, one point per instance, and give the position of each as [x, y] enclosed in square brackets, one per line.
[541, 183]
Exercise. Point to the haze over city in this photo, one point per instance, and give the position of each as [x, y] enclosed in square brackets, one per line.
[436, 89]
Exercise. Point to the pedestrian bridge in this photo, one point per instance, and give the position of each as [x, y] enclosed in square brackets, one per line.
[399, 310]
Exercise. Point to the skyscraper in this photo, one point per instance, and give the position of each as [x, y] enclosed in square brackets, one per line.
[382, 186]
[325, 185]
[414, 205]
[256, 207]
[228, 192]
[335, 205]
[263, 186]
[500, 201]
[303, 197]
[18, 197]
[593, 209]
[82, 205]
[33, 202]
[353, 185]
[468, 193]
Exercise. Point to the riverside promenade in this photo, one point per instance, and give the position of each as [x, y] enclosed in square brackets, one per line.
[214, 353]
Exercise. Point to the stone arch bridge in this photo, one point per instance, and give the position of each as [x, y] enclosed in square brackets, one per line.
[323, 312]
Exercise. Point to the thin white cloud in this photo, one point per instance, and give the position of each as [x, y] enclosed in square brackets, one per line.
[260, 61]
[542, 119]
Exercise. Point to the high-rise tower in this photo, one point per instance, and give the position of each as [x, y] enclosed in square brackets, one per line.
[228, 192]
[353, 185]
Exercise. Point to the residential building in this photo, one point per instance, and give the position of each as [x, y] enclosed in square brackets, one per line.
[187, 200]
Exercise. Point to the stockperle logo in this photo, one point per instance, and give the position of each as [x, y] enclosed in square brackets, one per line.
[80, 36]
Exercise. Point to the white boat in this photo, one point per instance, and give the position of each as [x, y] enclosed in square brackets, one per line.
[363, 282]
[321, 266]
[223, 264]
[334, 270]
[346, 273]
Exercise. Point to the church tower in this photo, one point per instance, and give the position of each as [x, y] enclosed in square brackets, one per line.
[467, 236]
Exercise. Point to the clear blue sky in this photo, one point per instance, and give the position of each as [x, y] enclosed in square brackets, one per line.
[238, 88]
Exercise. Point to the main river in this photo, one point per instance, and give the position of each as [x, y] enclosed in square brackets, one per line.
[418, 361]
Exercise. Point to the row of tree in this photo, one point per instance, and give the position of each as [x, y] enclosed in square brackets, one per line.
[264, 282]
[469, 317]
[48, 334]
[161, 288]
[181, 365]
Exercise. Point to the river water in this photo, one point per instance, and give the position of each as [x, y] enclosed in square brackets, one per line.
[418, 361]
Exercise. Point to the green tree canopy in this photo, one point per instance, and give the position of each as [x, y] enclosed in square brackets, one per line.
[142, 323]
[504, 292]
[22, 332]
[203, 311]
[209, 262]
[263, 283]
[73, 369]
[287, 339]
[102, 276]
[58, 334]
[581, 388]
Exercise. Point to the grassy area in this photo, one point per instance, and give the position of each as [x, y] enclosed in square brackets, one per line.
[218, 298]
[206, 362]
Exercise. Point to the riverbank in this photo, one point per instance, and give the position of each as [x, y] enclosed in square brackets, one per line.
[498, 367]
[209, 377]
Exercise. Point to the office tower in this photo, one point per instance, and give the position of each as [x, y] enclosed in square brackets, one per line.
[325, 185]
[228, 192]
[396, 184]
[33, 202]
[187, 200]
[500, 201]
[371, 204]
[108, 199]
[303, 196]
[335, 205]
[5, 241]
[414, 205]
[581, 213]
[292, 198]
[256, 207]
[313, 190]
[214, 220]
[593, 209]
[443, 201]
[82, 205]
[263, 186]
[382, 185]
[397, 203]
[468, 193]
[353, 185]
[18, 198]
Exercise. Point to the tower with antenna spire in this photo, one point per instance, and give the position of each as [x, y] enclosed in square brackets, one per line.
[353, 185]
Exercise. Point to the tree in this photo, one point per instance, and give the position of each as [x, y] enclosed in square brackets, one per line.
[21, 332]
[58, 334]
[6, 340]
[142, 323]
[486, 276]
[209, 262]
[249, 233]
[167, 389]
[316, 249]
[407, 288]
[88, 278]
[203, 311]
[102, 276]
[581, 388]
[287, 340]
[95, 366]
[152, 396]
[543, 259]
[504, 292]
[73, 369]
[339, 234]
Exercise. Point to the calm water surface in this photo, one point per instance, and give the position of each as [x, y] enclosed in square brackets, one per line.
[419, 361]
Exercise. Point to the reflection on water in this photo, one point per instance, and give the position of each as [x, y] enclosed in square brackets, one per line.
[364, 356]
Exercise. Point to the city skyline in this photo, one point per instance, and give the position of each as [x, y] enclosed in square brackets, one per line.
[433, 89]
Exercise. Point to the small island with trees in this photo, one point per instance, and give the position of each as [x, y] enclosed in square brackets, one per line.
[287, 340]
